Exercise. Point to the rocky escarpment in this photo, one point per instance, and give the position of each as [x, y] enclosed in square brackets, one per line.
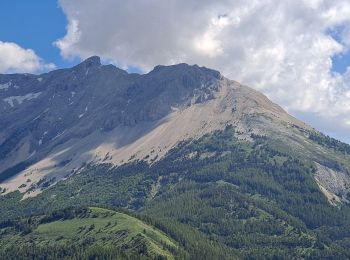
[55, 123]
[334, 184]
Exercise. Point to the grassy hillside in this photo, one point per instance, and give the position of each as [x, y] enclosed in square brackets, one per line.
[218, 197]
[83, 233]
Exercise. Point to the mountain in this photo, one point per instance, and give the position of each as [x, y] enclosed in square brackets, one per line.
[216, 165]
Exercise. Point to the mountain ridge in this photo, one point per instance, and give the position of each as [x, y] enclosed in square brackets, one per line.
[94, 113]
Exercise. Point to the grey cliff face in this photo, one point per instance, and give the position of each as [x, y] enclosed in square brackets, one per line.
[54, 123]
[43, 111]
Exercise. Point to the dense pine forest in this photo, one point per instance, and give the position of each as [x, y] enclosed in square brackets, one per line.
[217, 197]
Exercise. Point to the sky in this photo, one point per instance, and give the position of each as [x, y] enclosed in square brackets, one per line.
[294, 51]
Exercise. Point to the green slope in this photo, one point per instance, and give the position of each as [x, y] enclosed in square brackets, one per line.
[84, 232]
[218, 197]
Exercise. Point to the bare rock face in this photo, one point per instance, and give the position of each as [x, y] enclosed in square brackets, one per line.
[63, 104]
[51, 122]
[54, 123]
[334, 184]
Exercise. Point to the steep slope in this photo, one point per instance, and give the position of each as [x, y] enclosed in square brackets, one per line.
[99, 113]
[247, 198]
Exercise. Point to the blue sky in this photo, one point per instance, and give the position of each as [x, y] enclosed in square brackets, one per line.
[262, 49]
[34, 25]
[37, 25]
[341, 61]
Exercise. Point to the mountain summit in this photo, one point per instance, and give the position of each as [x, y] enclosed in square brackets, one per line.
[56, 122]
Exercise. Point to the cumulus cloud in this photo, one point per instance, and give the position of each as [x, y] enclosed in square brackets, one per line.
[282, 48]
[14, 58]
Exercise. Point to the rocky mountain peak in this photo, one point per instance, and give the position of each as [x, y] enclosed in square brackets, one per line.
[57, 121]
[184, 69]
[93, 61]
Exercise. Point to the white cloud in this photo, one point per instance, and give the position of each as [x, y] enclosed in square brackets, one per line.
[283, 48]
[14, 58]
[66, 44]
